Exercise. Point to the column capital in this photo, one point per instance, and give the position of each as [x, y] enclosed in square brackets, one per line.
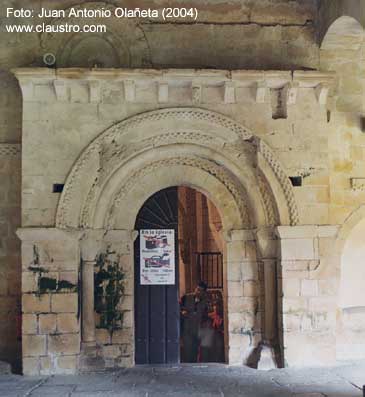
[266, 243]
[91, 244]
[238, 235]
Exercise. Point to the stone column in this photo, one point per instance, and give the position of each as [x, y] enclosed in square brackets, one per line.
[91, 245]
[88, 318]
[267, 250]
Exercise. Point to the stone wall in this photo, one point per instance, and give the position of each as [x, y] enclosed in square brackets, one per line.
[319, 141]
[260, 35]
[78, 110]
[308, 279]
[50, 304]
[72, 114]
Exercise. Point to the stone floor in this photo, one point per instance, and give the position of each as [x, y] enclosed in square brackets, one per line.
[198, 380]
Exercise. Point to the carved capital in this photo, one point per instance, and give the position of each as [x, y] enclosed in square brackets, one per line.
[91, 244]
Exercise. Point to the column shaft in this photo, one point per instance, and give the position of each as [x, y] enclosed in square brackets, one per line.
[88, 318]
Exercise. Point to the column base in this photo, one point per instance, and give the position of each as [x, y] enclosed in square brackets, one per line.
[89, 358]
[267, 358]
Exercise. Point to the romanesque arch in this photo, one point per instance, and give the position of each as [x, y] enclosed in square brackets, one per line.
[205, 150]
[181, 137]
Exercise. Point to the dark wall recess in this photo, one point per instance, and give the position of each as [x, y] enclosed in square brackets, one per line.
[296, 180]
[58, 187]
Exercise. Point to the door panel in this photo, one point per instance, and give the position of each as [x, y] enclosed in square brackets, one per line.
[157, 311]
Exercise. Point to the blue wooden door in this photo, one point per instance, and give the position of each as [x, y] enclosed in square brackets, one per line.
[157, 311]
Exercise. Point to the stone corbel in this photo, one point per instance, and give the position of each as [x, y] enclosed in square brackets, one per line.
[130, 91]
[61, 90]
[163, 92]
[322, 91]
[27, 88]
[260, 91]
[196, 93]
[291, 92]
[229, 92]
[94, 91]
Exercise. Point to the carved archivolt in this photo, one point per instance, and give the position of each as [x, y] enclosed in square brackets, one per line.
[175, 114]
[268, 200]
[110, 150]
[9, 149]
[112, 153]
[283, 180]
[210, 167]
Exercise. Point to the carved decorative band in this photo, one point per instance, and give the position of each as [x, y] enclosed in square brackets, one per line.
[10, 149]
[284, 182]
[239, 196]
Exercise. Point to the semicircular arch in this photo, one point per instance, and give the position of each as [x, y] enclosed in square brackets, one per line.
[218, 146]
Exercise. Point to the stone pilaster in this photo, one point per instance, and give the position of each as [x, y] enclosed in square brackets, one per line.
[116, 346]
[242, 316]
[307, 322]
[50, 286]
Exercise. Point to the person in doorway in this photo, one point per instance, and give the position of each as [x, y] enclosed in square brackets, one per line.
[194, 309]
[206, 340]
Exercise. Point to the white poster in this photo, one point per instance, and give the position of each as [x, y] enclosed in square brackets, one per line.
[157, 249]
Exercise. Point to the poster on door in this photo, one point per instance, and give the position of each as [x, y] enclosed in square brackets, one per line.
[157, 250]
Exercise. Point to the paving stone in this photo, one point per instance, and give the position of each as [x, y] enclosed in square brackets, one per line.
[193, 381]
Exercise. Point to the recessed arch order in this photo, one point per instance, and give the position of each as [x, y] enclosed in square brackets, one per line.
[145, 153]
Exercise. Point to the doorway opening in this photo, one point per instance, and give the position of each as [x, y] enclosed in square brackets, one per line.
[179, 279]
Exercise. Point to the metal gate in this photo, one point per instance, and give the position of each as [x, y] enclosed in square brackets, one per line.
[157, 311]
